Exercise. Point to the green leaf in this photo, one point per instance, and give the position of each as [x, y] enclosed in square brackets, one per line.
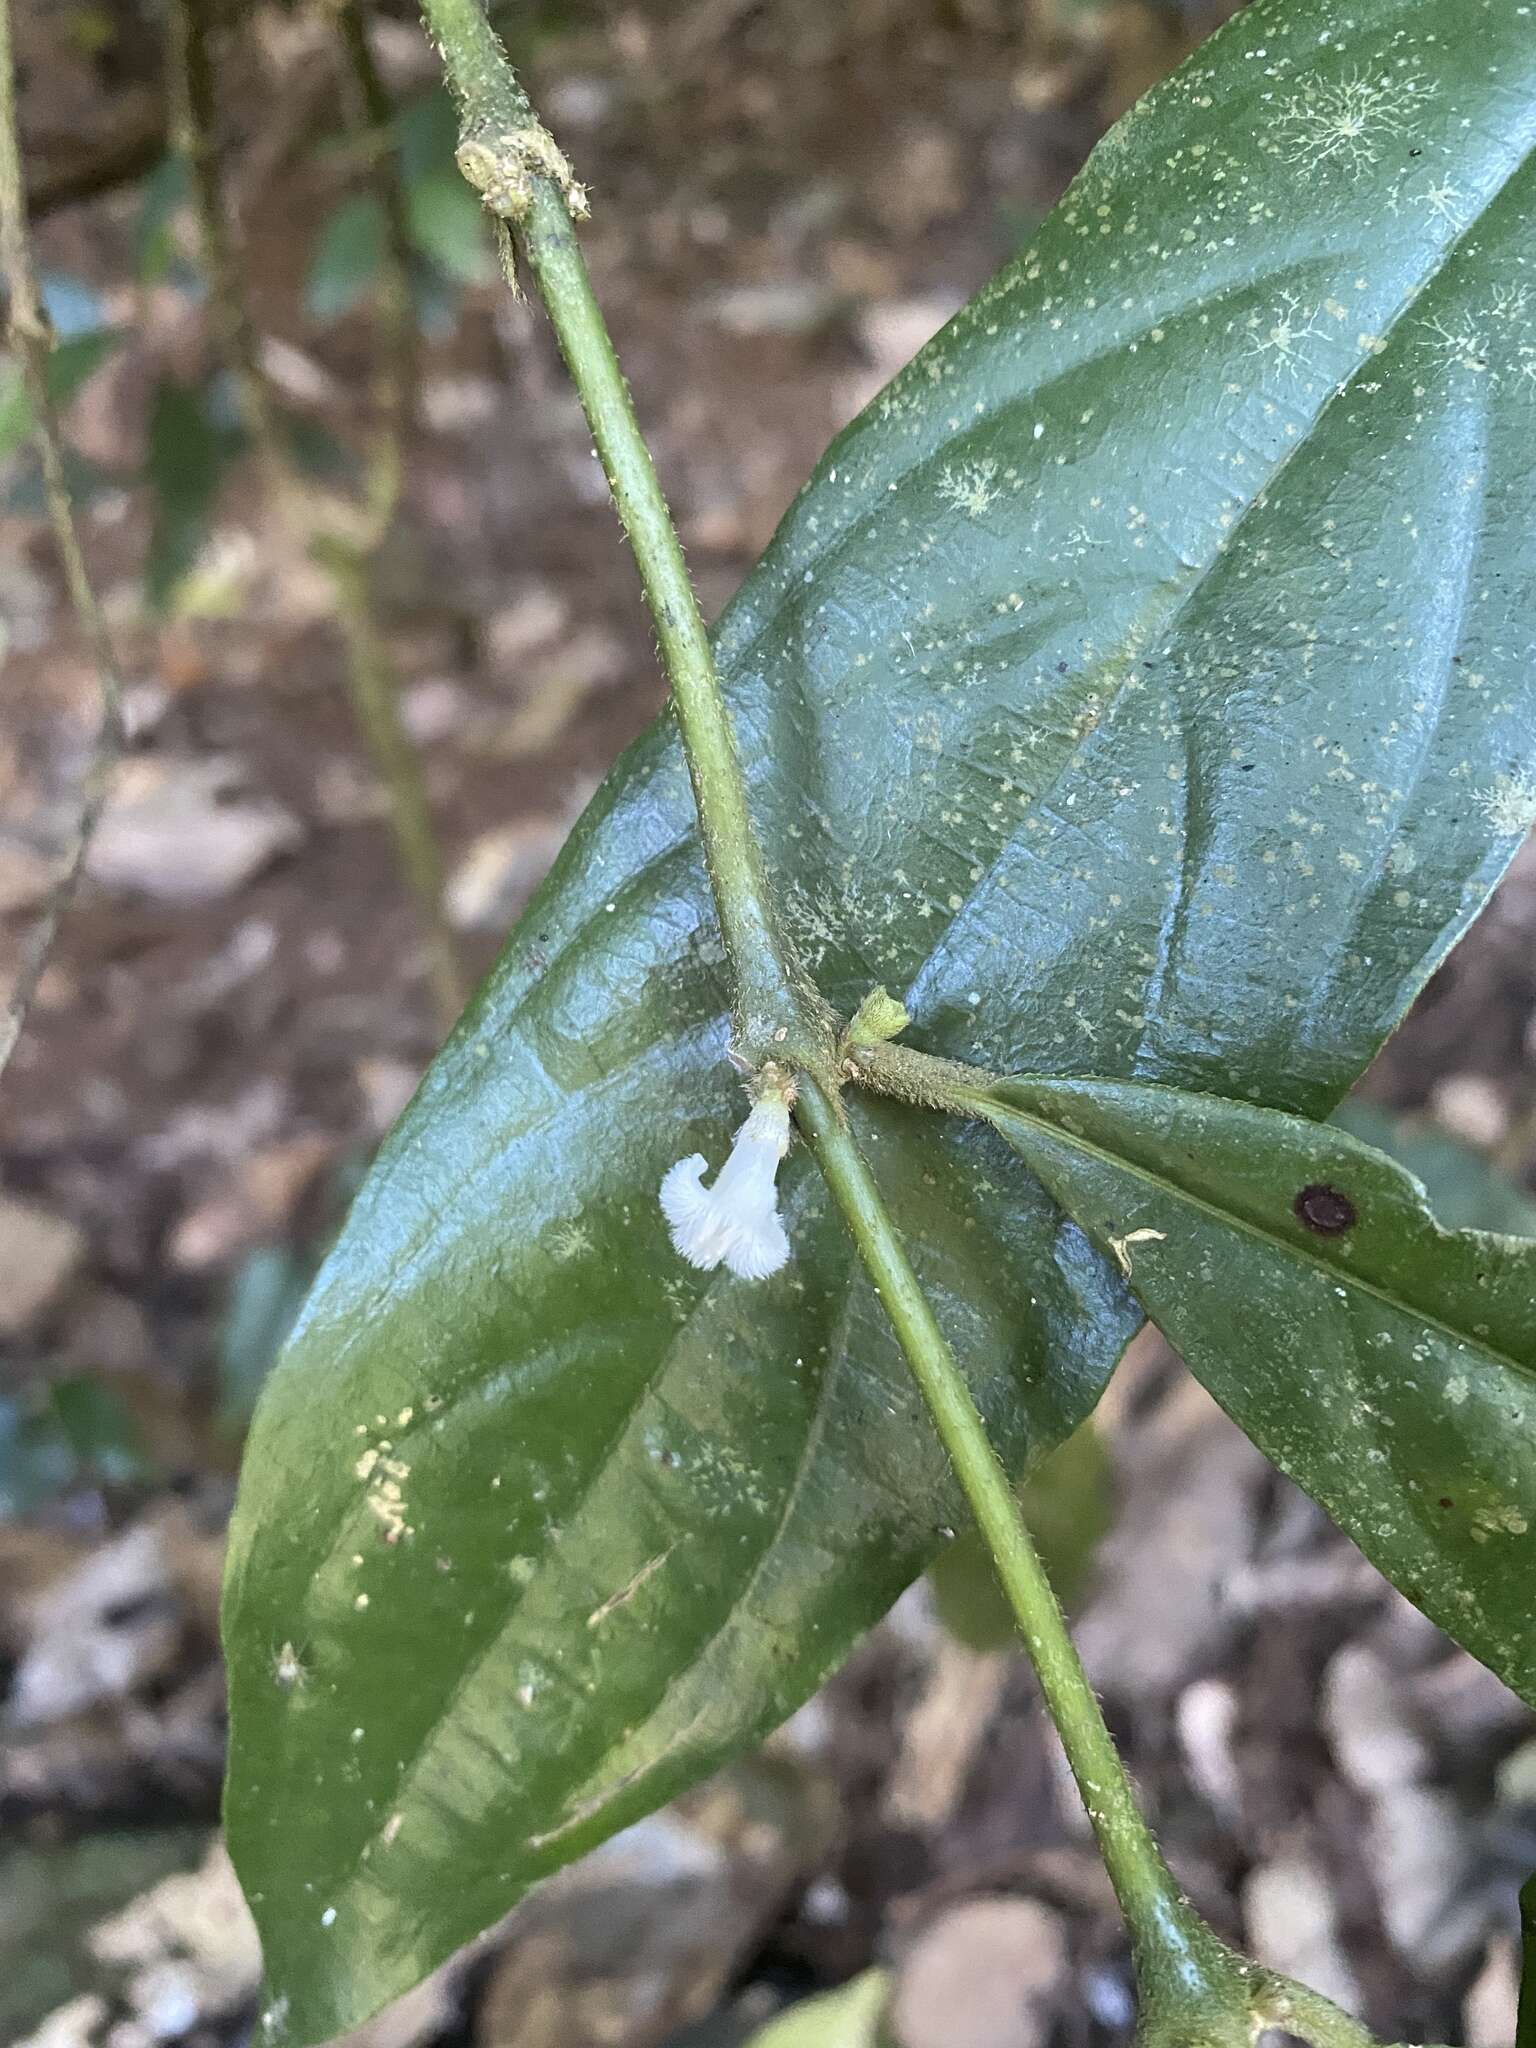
[848, 2017]
[100, 1430]
[71, 363]
[1142, 681]
[188, 452]
[36, 1462]
[56, 1435]
[428, 135]
[448, 224]
[265, 1295]
[1386, 1364]
[347, 257]
[165, 192]
[1466, 1190]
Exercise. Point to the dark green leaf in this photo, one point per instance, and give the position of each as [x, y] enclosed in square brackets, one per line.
[1142, 681]
[185, 468]
[318, 452]
[347, 257]
[428, 135]
[436, 299]
[59, 1434]
[448, 224]
[100, 1430]
[1387, 1365]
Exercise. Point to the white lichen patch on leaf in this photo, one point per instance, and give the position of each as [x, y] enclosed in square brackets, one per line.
[384, 1478]
[1348, 120]
[1284, 340]
[569, 1240]
[1444, 201]
[1497, 1521]
[1509, 802]
[1461, 344]
[971, 487]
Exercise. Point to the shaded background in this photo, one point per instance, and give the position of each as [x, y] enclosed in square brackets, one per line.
[789, 198]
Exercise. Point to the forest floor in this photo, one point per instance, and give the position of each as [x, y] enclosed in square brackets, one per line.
[238, 1008]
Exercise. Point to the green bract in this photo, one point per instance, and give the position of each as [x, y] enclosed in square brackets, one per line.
[1141, 687]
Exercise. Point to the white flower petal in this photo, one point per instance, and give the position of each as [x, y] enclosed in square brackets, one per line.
[736, 1222]
[755, 1254]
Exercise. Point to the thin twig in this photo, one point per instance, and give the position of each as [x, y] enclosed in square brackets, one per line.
[373, 122]
[190, 83]
[32, 338]
[374, 689]
[346, 541]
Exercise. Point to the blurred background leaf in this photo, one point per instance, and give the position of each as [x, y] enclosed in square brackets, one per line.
[73, 360]
[188, 454]
[449, 227]
[1466, 1189]
[347, 257]
[162, 196]
[848, 2017]
[1069, 1506]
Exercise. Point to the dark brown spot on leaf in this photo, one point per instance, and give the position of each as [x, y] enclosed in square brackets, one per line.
[1324, 1209]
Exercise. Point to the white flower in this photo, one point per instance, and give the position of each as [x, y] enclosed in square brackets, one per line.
[736, 1222]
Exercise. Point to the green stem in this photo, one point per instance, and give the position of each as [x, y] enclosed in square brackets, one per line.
[191, 91]
[1171, 1940]
[32, 339]
[373, 118]
[525, 180]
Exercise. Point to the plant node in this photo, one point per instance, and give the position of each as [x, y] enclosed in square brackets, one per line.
[503, 169]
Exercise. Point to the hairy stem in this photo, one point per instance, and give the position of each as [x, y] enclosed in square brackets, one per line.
[1168, 1934]
[346, 542]
[32, 340]
[526, 182]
